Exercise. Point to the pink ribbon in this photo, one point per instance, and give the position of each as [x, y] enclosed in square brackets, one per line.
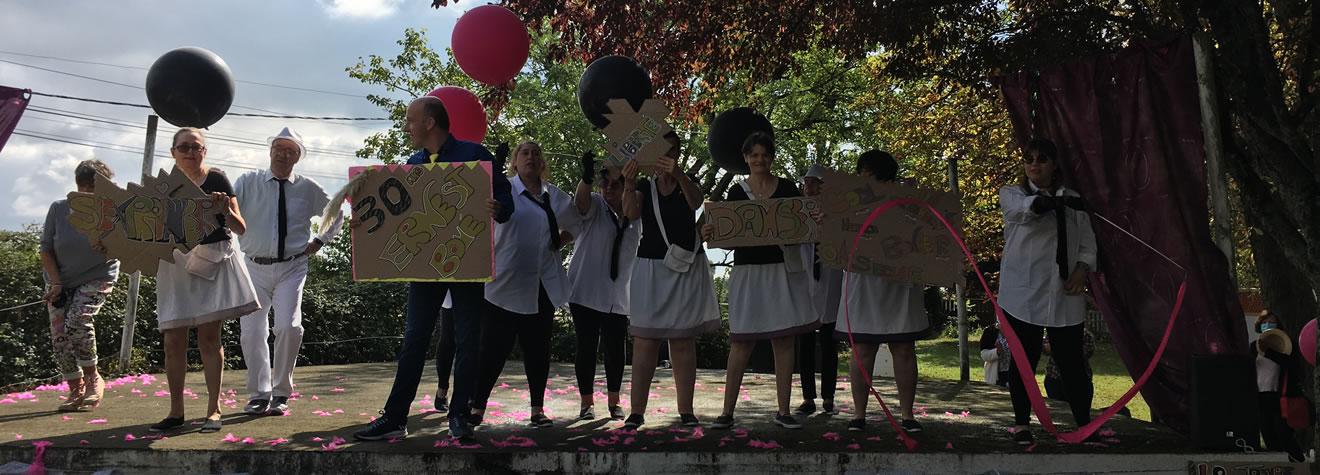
[1027, 375]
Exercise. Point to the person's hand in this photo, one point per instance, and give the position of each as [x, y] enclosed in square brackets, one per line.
[706, 231]
[501, 157]
[220, 201]
[666, 166]
[493, 206]
[588, 163]
[312, 248]
[354, 222]
[1044, 204]
[1076, 283]
[53, 292]
[630, 170]
[816, 215]
[1074, 202]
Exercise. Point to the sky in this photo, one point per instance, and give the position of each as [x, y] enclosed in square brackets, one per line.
[303, 44]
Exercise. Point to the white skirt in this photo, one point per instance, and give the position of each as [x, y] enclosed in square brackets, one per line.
[880, 310]
[826, 292]
[768, 301]
[185, 300]
[667, 304]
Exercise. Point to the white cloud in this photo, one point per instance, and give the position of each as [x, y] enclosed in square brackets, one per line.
[361, 9]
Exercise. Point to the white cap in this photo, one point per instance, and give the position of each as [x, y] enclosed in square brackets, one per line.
[290, 135]
[816, 171]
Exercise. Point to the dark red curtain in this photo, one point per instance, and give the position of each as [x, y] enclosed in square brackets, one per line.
[1128, 127]
[12, 103]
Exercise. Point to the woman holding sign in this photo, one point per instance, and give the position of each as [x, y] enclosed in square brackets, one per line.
[529, 284]
[769, 290]
[672, 289]
[1048, 248]
[203, 288]
[879, 311]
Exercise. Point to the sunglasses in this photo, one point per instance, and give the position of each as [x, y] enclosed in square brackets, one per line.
[1040, 159]
[187, 148]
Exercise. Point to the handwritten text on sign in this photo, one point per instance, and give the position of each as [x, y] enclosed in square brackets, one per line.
[907, 244]
[143, 224]
[761, 222]
[423, 223]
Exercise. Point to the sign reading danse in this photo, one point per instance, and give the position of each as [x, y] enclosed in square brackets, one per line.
[761, 222]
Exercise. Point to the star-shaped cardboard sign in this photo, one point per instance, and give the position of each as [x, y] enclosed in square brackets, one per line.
[147, 222]
[636, 134]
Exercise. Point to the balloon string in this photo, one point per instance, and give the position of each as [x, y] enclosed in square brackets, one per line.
[1027, 375]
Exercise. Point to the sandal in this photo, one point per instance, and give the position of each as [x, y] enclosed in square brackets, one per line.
[75, 399]
[92, 399]
[211, 425]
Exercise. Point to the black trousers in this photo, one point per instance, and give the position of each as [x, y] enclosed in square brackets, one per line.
[1276, 432]
[444, 351]
[599, 332]
[1066, 347]
[829, 362]
[499, 330]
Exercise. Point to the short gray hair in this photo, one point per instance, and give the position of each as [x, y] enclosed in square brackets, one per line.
[85, 173]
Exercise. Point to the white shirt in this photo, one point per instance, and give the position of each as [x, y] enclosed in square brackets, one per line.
[589, 267]
[1267, 374]
[259, 201]
[523, 258]
[1029, 284]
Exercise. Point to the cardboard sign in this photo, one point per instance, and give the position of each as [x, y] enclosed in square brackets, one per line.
[761, 222]
[423, 223]
[905, 244]
[636, 135]
[147, 222]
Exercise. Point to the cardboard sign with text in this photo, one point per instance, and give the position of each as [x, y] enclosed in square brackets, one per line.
[761, 222]
[145, 223]
[423, 223]
[636, 135]
[906, 244]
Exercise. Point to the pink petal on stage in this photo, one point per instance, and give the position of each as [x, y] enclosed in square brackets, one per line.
[654, 432]
[490, 404]
[394, 440]
[248, 441]
[295, 395]
[875, 438]
[605, 441]
[746, 397]
[8, 401]
[854, 446]
[948, 445]
[831, 436]
[513, 441]
[317, 439]
[337, 390]
[18, 436]
[83, 442]
[314, 398]
[65, 418]
[278, 441]
[162, 393]
[948, 414]
[768, 445]
[230, 438]
[740, 433]
[339, 411]
[97, 421]
[129, 437]
[24, 396]
[628, 441]
[1107, 432]
[504, 385]
[1031, 448]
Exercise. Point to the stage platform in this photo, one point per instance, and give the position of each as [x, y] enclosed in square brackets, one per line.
[966, 431]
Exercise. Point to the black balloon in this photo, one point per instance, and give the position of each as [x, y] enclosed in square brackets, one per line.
[190, 87]
[728, 132]
[612, 77]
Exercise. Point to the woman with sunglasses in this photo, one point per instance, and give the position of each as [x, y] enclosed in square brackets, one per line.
[1048, 249]
[203, 288]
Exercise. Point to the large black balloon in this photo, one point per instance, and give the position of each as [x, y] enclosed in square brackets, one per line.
[612, 77]
[727, 134]
[190, 87]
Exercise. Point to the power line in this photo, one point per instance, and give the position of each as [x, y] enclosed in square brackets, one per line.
[89, 78]
[239, 114]
[140, 68]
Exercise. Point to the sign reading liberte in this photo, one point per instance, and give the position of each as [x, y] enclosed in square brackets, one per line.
[423, 223]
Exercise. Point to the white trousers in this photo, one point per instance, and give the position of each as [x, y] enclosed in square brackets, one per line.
[280, 286]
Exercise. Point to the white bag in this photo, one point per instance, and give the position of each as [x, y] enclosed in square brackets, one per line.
[204, 260]
[677, 259]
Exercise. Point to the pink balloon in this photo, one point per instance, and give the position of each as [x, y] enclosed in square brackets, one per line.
[467, 117]
[490, 44]
[1307, 341]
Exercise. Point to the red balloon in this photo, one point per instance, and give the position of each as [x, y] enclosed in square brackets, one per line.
[1307, 341]
[490, 44]
[467, 117]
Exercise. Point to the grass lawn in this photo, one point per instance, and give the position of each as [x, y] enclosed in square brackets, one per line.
[939, 359]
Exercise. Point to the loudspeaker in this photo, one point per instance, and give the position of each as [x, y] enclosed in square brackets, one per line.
[1224, 403]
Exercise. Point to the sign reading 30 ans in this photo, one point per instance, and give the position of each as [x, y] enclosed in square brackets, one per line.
[423, 223]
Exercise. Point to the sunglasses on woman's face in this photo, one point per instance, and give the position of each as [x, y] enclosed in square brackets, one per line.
[189, 148]
[1040, 159]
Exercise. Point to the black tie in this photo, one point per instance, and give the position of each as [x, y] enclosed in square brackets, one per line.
[618, 240]
[1061, 249]
[549, 216]
[283, 221]
[815, 265]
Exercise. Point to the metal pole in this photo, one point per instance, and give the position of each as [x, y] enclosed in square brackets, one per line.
[1214, 157]
[964, 361]
[130, 310]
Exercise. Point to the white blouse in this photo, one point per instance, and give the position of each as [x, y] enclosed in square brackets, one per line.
[589, 267]
[524, 260]
[1029, 284]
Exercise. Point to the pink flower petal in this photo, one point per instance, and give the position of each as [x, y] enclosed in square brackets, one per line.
[129, 437]
[97, 421]
[65, 418]
[317, 439]
[948, 445]
[248, 441]
[854, 446]
[83, 442]
[831, 436]
[230, 438]
[278, 441]
[337, 390]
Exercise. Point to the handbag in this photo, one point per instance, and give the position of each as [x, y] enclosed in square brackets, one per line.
[677, 259]
[204, 260]
[1296, 410]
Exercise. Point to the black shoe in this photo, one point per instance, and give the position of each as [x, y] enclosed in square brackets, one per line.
[441, 404]
[278, 406]
[828, 409]
[459, 428]
[857, 425]
[786, 421]
[382, 428]
[616, 413]
[634, 421]
[806, 409]
[722, 422]
[167, 424]
[539, 421]
[257, 407]
[475, 420]
[1024, 437]
[689, 420]
[587, 414]
[911, 426]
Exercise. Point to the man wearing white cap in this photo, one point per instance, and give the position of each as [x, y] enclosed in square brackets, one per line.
[278, 243]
